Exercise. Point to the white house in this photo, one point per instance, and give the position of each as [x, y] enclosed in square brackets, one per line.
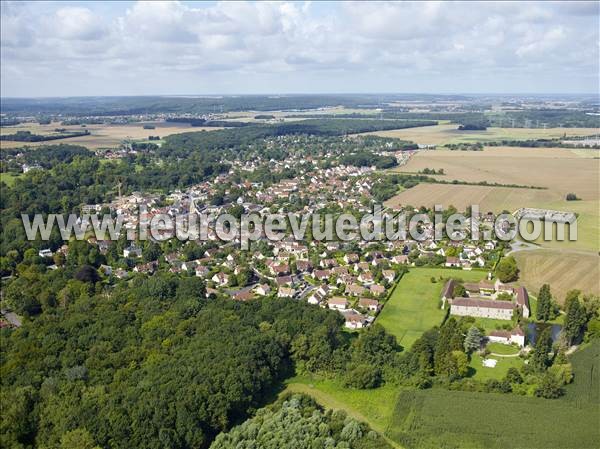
[263, 289]
[45, 253]
[337, 303]
[516, 336]
[220, 279]
[286, 292]
[354, 320]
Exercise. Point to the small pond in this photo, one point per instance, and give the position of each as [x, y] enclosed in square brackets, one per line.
[534, 329]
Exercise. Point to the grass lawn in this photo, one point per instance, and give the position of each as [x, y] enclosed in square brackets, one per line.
[483, 373]
[413, 306]
[499, 348]
[490, 324]
[374, 407]
[9, 178]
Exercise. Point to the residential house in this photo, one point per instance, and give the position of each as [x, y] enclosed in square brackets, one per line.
[389, 275]
[263, 289]
[377, 289]
[355, 290]
[516, 336]
[338, 303]
[452, 262]
[354, 320]
[221, 279]
[286, 292]
[369, 304]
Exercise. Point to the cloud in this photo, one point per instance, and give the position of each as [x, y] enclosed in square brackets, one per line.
[356, 46]
[75, 24]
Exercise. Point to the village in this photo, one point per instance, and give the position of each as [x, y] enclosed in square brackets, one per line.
[354, 278]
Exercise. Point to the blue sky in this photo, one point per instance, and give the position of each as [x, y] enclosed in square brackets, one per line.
[139, 48]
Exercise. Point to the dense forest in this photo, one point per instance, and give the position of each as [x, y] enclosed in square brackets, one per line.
[87, 106]
[150, 363]
[27, 136]
[147, 365]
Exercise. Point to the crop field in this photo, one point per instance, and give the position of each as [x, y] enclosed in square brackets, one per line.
[448, 133]
[431, 419]
[413, 307]
[586, 386]
[459, 420]
[101, 136]
[563, 270]
[460, 196]
[560, 170]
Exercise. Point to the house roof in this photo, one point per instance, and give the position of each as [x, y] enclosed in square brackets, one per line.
[522, 297]
[483, 303]
[365, 302]
[448, 291]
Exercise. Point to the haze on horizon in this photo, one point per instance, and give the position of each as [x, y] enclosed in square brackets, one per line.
[176, 48]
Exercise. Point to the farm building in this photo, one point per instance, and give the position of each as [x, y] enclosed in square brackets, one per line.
[482, 308]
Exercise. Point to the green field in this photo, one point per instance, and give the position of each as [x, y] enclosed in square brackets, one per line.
[374, 407]
[9, 178]
[464, 420]
[413, 306]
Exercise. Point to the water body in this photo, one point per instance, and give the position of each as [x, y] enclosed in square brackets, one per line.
[534, 329]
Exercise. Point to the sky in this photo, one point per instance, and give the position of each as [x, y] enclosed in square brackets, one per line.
[178, 48]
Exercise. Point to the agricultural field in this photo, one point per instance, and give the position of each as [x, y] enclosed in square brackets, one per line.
[448, 133]
[460, 420]
[586, 366]
[101, 136]
[433, 419]
[413, 306]
[563, 264]
[563, 270]
[560, 170]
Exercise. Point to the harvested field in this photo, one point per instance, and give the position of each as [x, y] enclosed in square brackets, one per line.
[564, 270]
[448, 133]
[102, 136]
[461, 196]
[560, 170]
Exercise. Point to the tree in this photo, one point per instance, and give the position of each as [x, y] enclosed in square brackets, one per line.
[546, 309]
[575, 317]
[539, 360]
[571, 197]
[507, 270]
[459, 291]
[513, 376]
[87, 273]
[363, 377]
[473, 339]
[462, 363]
[549, 387]
[77, 439]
